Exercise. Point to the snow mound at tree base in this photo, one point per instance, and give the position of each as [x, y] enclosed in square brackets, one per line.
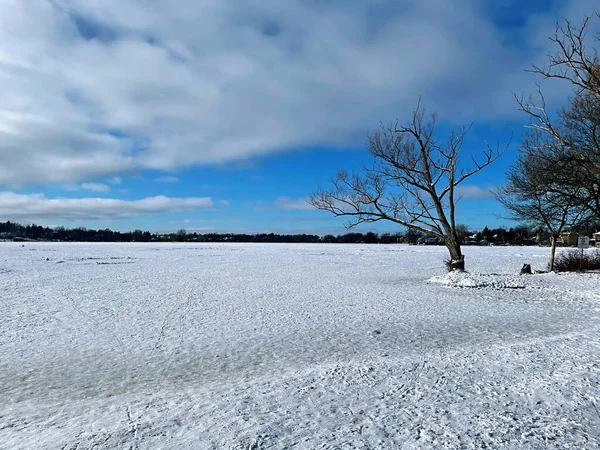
[460, 279]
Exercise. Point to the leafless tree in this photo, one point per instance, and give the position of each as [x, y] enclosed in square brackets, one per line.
[576, 129]
[573, 61]
[412, 182]
[530, 195]
[572, 149]
[581, 131]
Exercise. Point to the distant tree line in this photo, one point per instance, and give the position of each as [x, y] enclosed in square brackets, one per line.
[14, 230]
[17, 231]
[518, 235]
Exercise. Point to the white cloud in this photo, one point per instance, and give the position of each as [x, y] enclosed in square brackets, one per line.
[36, 206]
[95, 187]
[473, 191]
[96, 89]
[167, 179]
[291, 204]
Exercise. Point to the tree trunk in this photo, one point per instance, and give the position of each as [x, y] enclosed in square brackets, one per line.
[457, 259]
[552, 253]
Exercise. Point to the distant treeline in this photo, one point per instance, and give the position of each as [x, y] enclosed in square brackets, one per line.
[519, 235]
[16, 231]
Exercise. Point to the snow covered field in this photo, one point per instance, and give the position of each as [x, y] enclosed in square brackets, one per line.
[294, 346]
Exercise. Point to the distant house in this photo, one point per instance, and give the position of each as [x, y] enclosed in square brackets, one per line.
[596, 238]
[428, 240]
[498, 239]
[569, 238]
[471, 240]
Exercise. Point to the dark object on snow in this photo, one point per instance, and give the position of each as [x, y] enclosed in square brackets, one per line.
[526, 269]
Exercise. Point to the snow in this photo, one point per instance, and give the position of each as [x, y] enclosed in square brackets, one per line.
[479, 280]
[303, 346]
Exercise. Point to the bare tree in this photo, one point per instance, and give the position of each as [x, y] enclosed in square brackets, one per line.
[463, 231]
[412, 182]
[572, 60]
[529, 194]
[581, 131]
[576, 129]
[573, 148]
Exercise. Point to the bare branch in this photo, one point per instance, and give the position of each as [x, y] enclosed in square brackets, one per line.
[573, 62]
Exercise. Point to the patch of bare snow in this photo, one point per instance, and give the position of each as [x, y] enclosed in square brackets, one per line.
[463, 279]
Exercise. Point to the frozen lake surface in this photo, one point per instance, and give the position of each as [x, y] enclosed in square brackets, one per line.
[294, 346]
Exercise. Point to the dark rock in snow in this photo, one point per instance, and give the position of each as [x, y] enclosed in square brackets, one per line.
[526, 269]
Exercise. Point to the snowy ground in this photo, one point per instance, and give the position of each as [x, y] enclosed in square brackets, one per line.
[294, 346]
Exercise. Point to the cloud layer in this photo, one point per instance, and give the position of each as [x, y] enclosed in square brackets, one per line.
[291, 204]
[95, 187]
[473, 191]
[36, 206]
[93, 88]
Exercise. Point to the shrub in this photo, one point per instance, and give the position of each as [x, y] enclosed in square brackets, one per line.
[573, 261]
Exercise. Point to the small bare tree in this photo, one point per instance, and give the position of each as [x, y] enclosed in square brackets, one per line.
[529, 194]
[412, 182]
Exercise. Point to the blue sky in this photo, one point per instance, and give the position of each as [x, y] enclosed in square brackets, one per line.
[222, 116]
